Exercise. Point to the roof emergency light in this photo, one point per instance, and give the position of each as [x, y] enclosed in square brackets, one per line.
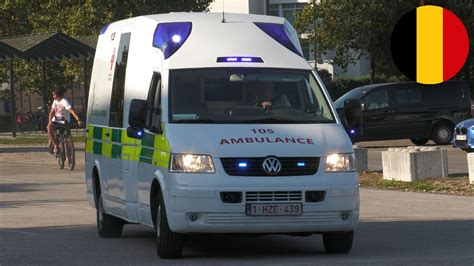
[279, 33]
[242, 59]
[170, 36]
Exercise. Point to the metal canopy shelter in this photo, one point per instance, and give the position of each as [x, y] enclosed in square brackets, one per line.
[41, 48]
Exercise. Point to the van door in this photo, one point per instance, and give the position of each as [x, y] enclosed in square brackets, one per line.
[375, 125]
[121, 149]
[154, 151]
[409, 115]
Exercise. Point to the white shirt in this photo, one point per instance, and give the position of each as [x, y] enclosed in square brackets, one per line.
[61, 113]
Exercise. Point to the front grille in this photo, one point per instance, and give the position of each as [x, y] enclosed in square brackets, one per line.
[289, 166]
[461, 130]
[273, 196]
[308, 218]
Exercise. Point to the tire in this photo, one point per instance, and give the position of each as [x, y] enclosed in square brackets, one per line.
[442, 134]
[419, 142]
[70, 154]
[338, 242]
[169, 245]
[61, 155]
[108, 226]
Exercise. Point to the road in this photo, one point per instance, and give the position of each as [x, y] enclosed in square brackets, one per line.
[45, 219]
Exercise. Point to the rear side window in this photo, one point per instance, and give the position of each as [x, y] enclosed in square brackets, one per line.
[408, 96]
[118, 85]
[375, 100]
[445, 95]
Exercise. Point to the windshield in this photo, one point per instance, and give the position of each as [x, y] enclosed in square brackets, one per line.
[246, 95]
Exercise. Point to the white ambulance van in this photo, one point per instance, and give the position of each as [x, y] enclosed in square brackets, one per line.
[197, 124]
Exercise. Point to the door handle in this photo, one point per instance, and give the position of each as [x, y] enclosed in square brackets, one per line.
[107, 135]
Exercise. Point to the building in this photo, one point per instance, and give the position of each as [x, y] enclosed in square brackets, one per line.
[287, 9]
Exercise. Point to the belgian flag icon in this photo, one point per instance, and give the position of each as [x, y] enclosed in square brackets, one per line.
[429, 44]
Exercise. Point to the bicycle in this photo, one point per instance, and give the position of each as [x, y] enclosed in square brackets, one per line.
[30, 122]
[66, 150]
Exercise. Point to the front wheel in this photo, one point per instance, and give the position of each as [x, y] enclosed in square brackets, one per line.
[419, 142]
[61, 155]
[70, 154]
[169, 244]
[338, 242]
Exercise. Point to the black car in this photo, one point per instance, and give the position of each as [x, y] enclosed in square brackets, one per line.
[408, 111]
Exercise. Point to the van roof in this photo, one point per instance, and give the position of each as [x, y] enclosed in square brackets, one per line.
[210, 38]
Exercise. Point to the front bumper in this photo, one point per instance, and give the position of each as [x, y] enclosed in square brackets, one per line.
[215, 216]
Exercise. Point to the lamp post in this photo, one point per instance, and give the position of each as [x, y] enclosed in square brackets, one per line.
[314, 36]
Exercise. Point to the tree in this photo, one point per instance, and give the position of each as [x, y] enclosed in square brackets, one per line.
[352, 29]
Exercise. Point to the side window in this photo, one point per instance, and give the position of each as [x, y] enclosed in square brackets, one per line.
[118, 85]
[154, 102]
[376, 100]
[408, 96]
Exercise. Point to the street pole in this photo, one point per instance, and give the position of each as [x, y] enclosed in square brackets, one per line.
[12, 97]
[314, 29]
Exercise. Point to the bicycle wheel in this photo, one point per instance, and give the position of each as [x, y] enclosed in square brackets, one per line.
[70, 154]
[61, 155]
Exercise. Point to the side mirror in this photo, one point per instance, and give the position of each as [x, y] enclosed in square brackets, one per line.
[353, 113]
[137, 114]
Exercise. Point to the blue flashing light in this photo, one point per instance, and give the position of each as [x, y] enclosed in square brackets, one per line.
[242, 59]
[104, 29]
[242, 165]
[169, 37]
[301, 164]
[140, 133]
[279, 34]
[352, 132]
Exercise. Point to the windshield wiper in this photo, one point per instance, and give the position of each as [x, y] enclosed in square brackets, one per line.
[275, 120]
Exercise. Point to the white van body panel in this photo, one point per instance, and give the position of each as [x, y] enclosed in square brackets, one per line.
[126, 179]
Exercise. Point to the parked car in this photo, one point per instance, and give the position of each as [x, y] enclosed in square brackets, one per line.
[408, 111]
[464, 135]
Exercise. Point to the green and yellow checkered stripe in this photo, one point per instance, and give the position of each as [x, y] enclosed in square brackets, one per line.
[114, 143]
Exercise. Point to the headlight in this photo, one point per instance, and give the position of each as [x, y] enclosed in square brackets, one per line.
[340, 162]
[191, 163]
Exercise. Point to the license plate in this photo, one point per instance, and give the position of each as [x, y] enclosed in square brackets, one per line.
[274, 209]
[460, 137]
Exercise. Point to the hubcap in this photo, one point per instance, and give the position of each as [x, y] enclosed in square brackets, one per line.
[443, 134]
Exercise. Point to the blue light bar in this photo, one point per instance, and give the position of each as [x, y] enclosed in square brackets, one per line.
[242, 165]
[169, 37]
[104, 29]
[279, 34]
[301, 164]
[241, 59]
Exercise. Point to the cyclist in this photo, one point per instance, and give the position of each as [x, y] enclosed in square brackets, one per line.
[60, 113]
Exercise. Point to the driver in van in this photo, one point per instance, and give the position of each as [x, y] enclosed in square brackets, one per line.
[266, 98]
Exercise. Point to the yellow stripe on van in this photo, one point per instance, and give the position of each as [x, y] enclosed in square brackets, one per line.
[90, 139]
[161, 154]
[429, 45]
[128, 147]
[106, 142]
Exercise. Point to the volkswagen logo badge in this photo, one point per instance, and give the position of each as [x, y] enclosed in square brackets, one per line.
[271, 165]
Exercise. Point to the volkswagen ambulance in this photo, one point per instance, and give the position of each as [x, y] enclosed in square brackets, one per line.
[199, 123]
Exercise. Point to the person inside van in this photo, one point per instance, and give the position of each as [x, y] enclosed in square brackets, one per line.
[267, 99]
[60, 114]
